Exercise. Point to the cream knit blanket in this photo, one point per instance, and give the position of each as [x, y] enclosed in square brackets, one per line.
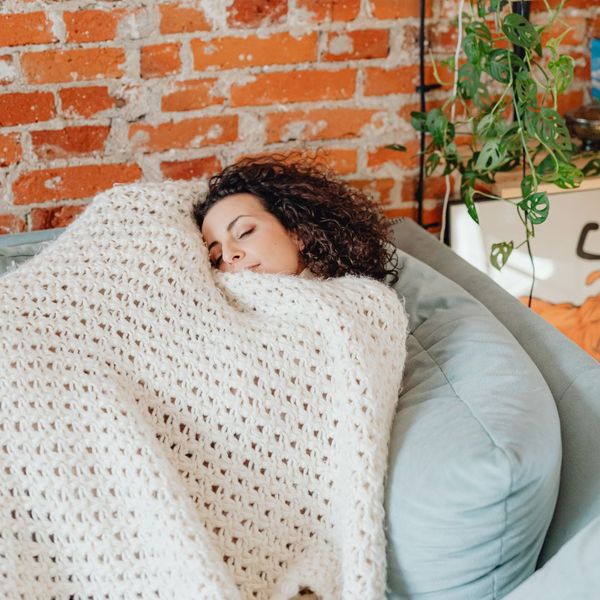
[170, 431]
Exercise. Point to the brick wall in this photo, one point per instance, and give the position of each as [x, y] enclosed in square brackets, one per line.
[132, 90]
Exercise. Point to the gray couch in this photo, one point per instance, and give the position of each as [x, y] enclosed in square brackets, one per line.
[572, 376]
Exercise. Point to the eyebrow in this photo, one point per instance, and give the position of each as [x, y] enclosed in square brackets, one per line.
[228, 229]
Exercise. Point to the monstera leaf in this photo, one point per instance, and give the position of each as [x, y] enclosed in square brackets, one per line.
[536, 206]
[500, 253]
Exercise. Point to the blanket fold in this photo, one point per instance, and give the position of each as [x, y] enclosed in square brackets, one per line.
[171, 431]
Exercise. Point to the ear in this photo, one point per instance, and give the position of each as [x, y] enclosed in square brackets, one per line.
[299, 243]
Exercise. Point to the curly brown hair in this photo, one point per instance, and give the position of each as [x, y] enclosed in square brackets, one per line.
[342, 229]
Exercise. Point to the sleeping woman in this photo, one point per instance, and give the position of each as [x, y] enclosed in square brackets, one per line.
[270, 215]
[173, 431]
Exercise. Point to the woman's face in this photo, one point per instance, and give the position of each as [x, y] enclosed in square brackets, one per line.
[242, 234]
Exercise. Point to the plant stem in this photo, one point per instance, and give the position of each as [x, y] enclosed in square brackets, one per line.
[523, 142]
[532, 270]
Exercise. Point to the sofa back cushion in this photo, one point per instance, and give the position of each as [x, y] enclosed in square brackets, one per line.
[17, 248]
[475, 450]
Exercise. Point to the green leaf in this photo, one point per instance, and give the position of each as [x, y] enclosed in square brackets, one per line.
[418, 120]
[490, 156]
[511, 162]
[550, 128]
[562, 70]
[433, 160]
[500, 253]
[451, 158]
[520, 31]
[528, 185]
[436, 125]
[469, 76]
[471, 47]
[536, 206]
[398, 147]
[497, 65]
[547, 169]
[487, 126]
[480, 30]
[511, 136]
[591, 168]
[568, 176]
[467, 192]
[525, 88]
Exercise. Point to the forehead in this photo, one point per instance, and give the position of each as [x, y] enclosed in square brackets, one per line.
[225, 210]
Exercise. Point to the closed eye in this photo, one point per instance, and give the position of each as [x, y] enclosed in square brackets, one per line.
[245, 233]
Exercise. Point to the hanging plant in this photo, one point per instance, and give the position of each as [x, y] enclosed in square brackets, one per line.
[501, 71]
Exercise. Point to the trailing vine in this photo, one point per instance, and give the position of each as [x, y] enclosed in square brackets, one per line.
[505, 71]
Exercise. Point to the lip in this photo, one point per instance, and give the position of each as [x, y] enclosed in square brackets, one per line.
[253, 268]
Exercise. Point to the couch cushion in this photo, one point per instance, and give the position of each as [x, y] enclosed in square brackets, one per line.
[475, 450]
[20, 247]
[574, 572]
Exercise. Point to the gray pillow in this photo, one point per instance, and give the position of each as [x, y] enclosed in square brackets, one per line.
[475, 450]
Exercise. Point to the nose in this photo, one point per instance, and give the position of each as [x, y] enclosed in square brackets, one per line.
[231, 253]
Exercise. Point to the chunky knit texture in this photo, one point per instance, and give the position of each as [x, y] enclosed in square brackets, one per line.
[170, 431]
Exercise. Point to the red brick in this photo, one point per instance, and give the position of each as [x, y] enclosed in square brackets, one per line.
[252, 13]
[399, 9]
[191, 95]
[191, 169]
[341, 161]
[159, 60]
[576, 35]
[70, 141]
[398, 80]
[20, 29]
[319, 124]
[406, 110]
[92, 25]
[71, 182]
[594, 27]
[230, 52]
[499, 39]
[570, 100]
[409, 40]
[20, 108]
[378, 189]
[331, 10]
[409, 211]
[7, 69]
[435, 188]
[442, 35]
[583, 66]
[178, 18]
[85, 101]
[295, 86]
[381, 156]
[53, 66]
[539, 6]
[190, 133]
[56, 216]
[11, 224]
[10, 149]
[354, 45]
